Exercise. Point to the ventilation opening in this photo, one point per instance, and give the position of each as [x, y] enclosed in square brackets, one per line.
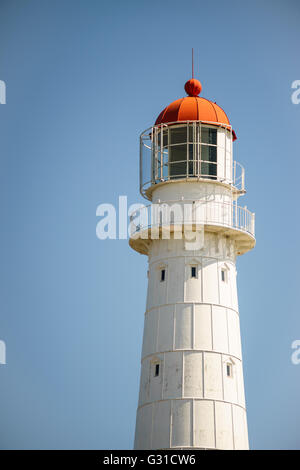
[162, 275]
[193, 272]
[224, 275]
[229, 370]
[156, 370]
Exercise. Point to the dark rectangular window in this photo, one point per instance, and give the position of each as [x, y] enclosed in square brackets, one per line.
[192, 162]
[229, 370]
[209, 161]
[178, 135]
[209, 136]
[193, 271]
[165, 139]
[156, 370]
[178, 161]
[223, 275]
[163, 275]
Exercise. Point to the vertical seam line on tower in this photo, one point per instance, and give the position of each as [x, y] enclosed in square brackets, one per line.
[233, 442]
[174, 325]
[212, 327]
[163, 376]
[222, 375]
[203, 374]
[192, 425]
[182, 377]
[228, 348]
[193, 326]
[152, 415]
[171, 423]
[215, 424]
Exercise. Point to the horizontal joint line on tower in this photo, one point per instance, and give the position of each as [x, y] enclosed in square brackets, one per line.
[192, 350]
[190, 303]
[194, 399]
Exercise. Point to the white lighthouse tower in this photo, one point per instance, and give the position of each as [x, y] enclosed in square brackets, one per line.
[191, 386]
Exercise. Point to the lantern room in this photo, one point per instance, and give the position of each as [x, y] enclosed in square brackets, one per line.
[191, 140]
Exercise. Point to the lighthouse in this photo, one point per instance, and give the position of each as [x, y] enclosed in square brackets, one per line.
[191, 229]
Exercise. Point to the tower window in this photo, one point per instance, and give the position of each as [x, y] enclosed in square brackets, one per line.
[229, 369]
[162, 275]
[193, 272]
[156, 370]
[224, 275]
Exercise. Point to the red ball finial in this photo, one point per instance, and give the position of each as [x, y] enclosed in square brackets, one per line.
[193, 87]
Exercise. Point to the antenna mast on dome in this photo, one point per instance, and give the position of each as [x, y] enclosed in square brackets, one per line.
[192, 62]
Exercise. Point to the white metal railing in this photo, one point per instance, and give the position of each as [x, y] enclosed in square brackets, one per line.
[185, 150]
[187, 212]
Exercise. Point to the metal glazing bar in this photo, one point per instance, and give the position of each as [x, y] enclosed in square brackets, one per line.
[187, 149]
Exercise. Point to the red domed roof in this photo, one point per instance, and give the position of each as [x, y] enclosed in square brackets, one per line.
[193, 108]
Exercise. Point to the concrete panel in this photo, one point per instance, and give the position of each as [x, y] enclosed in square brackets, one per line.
[176, 280]
[210, 280]
[240, 430]
[234, 295]
[219, 329]
[156, 382]
[172, 375]
[161, 287]
[204, 432]
[213, 376]
[183, 327]
[224, 431]
[161, 425]
[234, 336]
[143, 430]
[150, 332]
[144, 395]
[193, 374]
[225, 286]
[181, 423]
[165, 328]
[230, 382]
[202, 333]
[151, 281]
[240, 384]
[193, 291]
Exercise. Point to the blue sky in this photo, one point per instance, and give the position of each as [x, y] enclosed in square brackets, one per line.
[83, 79]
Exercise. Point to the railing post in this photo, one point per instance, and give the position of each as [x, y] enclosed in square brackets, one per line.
[243, 179]
[253, 223]
[161, 151]
[187, 149]
[141, 164]
[198, 133]
[234, 172]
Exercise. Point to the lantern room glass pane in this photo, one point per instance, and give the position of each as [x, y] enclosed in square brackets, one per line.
[177, 161]
[208, 161]
[191, 133]
[208, 136]
[192, 161]
[164, 135]
[178, 135]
